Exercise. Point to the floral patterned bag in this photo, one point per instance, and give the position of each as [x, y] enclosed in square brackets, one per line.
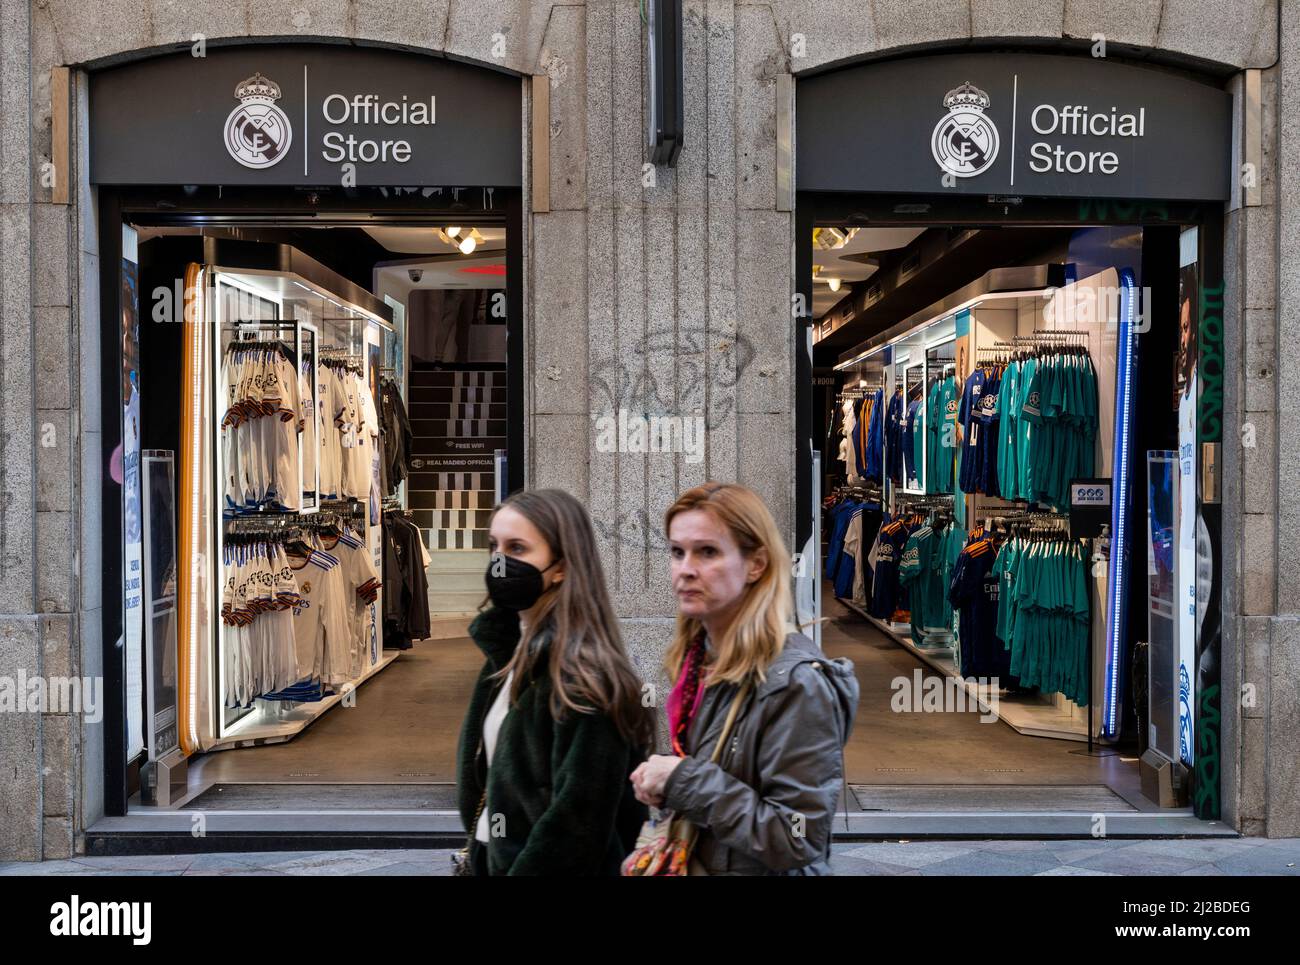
[665, 847]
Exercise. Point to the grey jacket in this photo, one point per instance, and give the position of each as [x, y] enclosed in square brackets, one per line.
[768, 805]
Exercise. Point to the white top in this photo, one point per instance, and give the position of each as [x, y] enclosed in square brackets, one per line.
[491, 728]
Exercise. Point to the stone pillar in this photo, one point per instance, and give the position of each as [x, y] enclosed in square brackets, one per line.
[1270, 746]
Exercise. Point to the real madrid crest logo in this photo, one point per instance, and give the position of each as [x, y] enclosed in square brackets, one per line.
[965, 142]
[258, 134]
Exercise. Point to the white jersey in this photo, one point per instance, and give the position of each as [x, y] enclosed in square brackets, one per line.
[369, 435]
[331, 406]
[309, 438]
[362, 581]
[322, 629]
[355, 472]
[282, 435]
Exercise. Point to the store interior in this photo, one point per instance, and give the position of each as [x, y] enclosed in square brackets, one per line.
[972, 386]
[338, 394]
[323, 439]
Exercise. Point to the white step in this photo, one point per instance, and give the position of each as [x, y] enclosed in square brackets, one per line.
[469, 581]
[449, 626]
[458, 561]
[454, 601]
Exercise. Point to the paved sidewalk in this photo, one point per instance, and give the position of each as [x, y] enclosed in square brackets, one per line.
[1234, 856]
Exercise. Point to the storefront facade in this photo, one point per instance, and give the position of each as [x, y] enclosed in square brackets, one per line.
[643, 290]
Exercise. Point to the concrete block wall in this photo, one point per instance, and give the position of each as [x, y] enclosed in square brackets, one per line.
[661, 292]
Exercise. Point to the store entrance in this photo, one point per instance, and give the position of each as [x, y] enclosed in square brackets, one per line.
[318, 402]
[973, 382]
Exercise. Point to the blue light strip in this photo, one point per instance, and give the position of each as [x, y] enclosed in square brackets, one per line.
[1116, 597]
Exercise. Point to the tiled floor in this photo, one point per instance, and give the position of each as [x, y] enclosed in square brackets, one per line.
[1240, 856]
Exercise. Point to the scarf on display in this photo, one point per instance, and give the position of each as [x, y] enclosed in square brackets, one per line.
[687, 694]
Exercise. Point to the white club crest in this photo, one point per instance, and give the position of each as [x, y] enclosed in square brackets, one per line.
[965, 141]
[258, 133]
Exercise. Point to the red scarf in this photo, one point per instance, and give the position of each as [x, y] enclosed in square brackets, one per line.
[685, 698]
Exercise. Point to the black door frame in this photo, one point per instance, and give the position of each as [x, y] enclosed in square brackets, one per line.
[282, 207]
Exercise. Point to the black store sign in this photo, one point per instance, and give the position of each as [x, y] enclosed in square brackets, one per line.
[305, 115]
[1016, 124]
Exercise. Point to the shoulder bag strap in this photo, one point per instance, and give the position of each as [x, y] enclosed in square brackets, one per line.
[731, 719]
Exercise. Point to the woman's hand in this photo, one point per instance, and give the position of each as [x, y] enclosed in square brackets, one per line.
[649, 779]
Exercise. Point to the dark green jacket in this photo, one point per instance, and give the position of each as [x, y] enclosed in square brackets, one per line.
[561, 787]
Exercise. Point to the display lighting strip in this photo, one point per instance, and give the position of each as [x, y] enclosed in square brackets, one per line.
[1117, 610]
[191, 493]
[370, 316]
[972, 303]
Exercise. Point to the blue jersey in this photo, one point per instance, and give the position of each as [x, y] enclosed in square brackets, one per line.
[974, 592]
[894, 438]
[987, 415]
[889, 553]
[911, 428]
[966, 411]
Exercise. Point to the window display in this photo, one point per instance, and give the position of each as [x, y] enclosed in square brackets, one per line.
[960, 547]
[296, 452]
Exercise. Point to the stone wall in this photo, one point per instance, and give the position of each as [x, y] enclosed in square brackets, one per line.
[664, 295]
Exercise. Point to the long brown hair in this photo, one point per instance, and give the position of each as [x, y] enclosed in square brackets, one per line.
[588, 664]
[757, 634]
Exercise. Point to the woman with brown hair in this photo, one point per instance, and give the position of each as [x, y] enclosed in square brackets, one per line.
[556, 722]
[766, 805]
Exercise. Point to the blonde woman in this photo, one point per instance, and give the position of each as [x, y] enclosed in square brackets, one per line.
[767, 805]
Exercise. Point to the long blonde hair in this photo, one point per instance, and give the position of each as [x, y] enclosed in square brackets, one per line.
[757, 634]
[588, 665]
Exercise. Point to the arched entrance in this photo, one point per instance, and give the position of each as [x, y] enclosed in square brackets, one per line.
[351, 216]
[946, 232]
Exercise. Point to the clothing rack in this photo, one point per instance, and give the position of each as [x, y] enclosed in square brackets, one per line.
[247, 344]
[924, 499]
[343, 507]
[280, 324]
[1034, 524]
[285, 524]
[871, 490]
[336, 357]
[1002, 350]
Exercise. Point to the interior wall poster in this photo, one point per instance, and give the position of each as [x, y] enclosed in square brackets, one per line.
[1185, 560]
[126, 469]
[1207, 726]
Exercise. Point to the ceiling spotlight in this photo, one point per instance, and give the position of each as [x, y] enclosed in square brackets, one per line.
[828, 239]
[468, 245]
[453, 232]
[834, 283]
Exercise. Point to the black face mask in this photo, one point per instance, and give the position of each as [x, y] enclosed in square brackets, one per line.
[519, 587]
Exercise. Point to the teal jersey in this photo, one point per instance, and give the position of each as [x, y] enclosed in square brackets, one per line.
[1005, 568]
[941, 423]
[918, 444]
[1047, 620]
[1026, 415]
[954, 538]
[914, 571]
[1008, 392]
[932, 423]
